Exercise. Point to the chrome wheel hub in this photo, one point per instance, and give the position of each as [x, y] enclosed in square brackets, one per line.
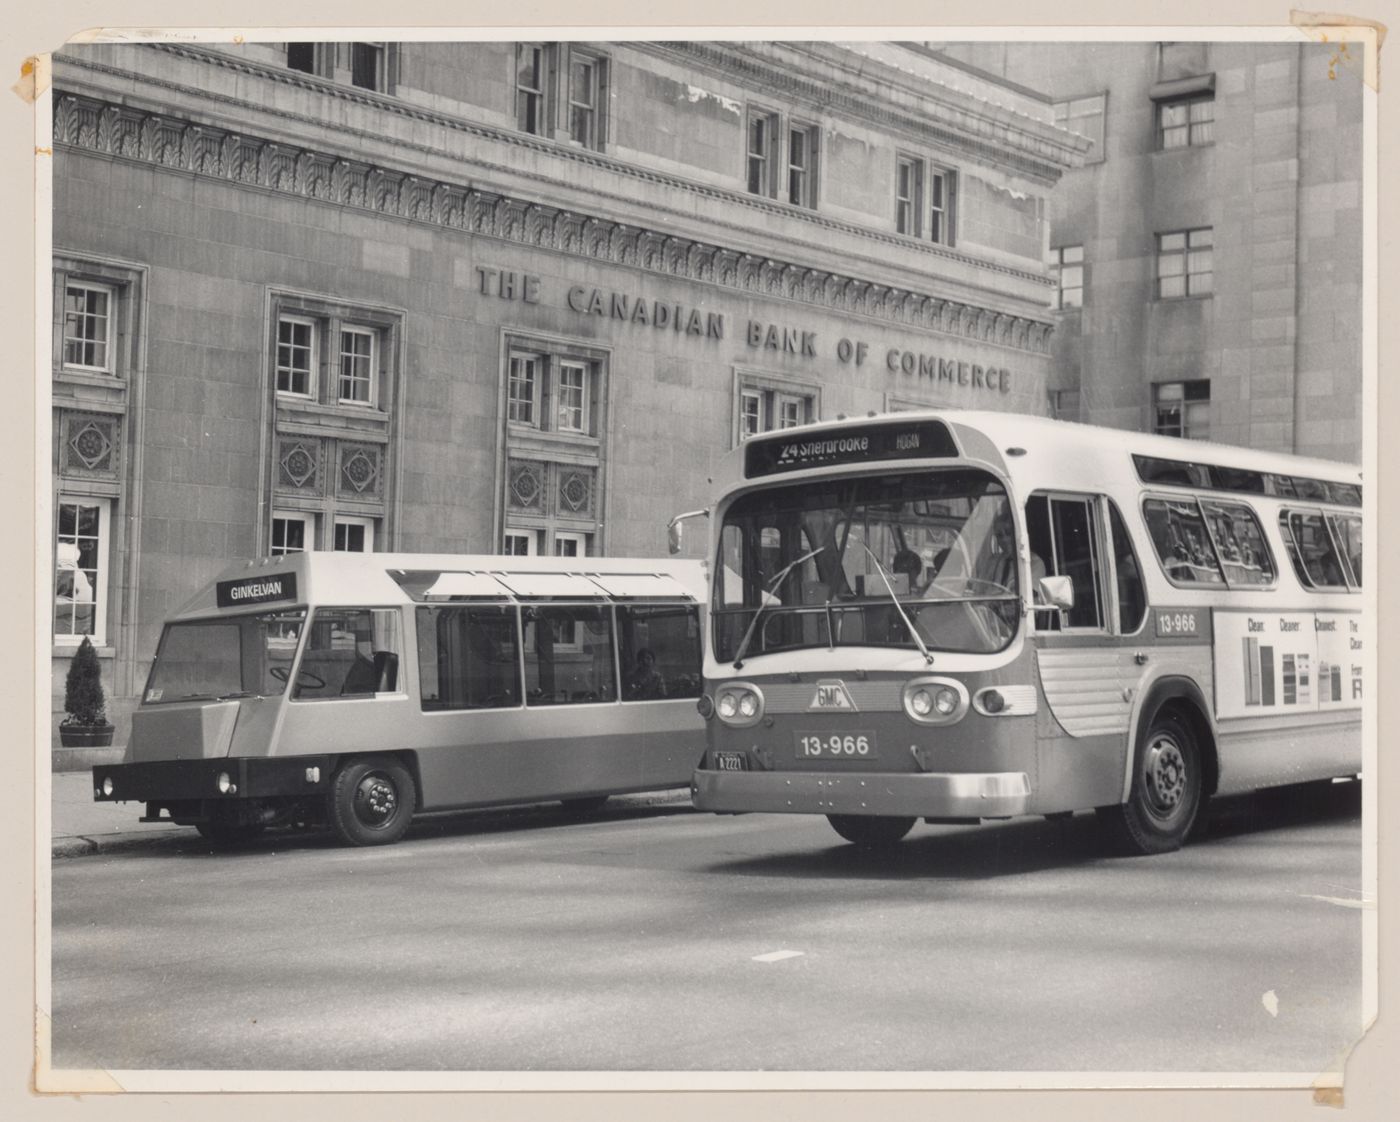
[1165, 775]
[375, 800]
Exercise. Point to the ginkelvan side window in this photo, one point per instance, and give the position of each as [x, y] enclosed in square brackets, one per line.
[468, 657]
[660, 651]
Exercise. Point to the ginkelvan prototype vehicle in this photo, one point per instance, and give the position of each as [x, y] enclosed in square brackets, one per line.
[970, 616]
[355, 690]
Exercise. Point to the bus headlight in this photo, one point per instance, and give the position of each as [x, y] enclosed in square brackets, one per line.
[935, 701]
[225, 783]
[108, 786]
[739, 704]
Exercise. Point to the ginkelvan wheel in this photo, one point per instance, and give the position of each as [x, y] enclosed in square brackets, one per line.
[371, 801]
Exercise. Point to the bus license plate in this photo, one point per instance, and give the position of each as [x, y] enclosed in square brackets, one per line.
[836, 746]
[731, 761]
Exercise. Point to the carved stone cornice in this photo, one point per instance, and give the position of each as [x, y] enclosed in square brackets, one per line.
[126, 133]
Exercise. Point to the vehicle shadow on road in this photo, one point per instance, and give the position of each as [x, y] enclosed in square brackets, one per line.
[1028, 845]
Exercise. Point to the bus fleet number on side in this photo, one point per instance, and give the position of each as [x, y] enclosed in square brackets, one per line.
[1176, 623]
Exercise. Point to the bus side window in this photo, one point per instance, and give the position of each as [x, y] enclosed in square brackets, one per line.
[468, 658]
[1239, 543]
[350, 652]
[1314, 558]
[1132, 600]
[660, 651]
[1179, 535]
[569, 654]
[1346, 529]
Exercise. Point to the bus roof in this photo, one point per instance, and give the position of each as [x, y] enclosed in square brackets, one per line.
[1051, 453]
[387, 579]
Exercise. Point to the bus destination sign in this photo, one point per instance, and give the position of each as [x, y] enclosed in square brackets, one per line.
[262, 589]
[861, 444]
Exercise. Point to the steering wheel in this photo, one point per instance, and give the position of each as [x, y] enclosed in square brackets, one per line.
[304, 677]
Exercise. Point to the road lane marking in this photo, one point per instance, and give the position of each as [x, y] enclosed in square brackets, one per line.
[777, 956]
[1270, 1000]
[1341, 903]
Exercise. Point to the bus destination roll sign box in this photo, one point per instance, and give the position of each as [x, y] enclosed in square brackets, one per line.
[916, 440]
[266, 588]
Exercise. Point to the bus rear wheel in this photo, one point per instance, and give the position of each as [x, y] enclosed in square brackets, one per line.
[371, 801]
[869, 831]
[1166, 791]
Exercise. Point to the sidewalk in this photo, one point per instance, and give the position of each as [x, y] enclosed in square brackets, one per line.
[82, 826]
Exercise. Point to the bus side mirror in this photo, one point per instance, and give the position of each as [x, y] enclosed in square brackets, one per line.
[673, 528]
[1055, 594]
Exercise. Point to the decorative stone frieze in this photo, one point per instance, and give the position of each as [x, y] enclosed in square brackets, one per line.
[118, 131]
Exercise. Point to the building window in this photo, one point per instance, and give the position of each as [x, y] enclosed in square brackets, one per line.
[1085, 117]
[292, 533]
[353, 535]
[908, 195]
[802, 165]
[564, 385]
[1182, 409]
[367, 66]
[357, 381]
[296, 356]
[520, 543]
[763, 135]
[1185, 263]
[301, 56]
[573, 397]
[531, 76]
[765, 404]
[80, 570]
[1064, 405]
[940, 201]
[924, 198]
[1186, 122]
[569, 543]
[87, 326]
[1067, 267]
[585, 99]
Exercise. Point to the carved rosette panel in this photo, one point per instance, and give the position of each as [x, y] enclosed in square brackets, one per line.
[525, 486]
[575, 492]
[299, 465]
[91, 445]
[361, 473]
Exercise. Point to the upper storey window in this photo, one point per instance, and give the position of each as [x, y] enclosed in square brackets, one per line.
[1187, 122]
[561, 92]
[780, 157]
[924, 199]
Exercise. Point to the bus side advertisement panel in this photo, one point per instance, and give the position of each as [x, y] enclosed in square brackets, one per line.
[1272, 663]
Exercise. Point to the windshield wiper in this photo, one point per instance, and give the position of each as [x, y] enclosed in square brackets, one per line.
[914, 631]
[773, 586]
[236, 694]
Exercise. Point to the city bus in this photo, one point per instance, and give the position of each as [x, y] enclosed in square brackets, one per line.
[356, 689]
[964, 616]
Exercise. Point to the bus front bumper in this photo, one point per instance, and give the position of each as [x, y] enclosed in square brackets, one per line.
[917, 795]
[230, 779]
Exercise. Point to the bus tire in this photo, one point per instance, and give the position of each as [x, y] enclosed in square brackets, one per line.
[584, 804]
[371, 801]
[1166, 790]
[870, 831]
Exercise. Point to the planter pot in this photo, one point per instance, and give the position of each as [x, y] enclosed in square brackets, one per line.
[85, 736]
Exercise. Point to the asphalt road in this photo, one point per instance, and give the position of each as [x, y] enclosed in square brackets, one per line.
[658, 939]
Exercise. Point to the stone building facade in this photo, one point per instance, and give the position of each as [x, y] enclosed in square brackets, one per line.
[1209, 249]
[502, 297]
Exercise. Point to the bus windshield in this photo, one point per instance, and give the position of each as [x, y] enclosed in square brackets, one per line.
[833, 562]
[236, 656]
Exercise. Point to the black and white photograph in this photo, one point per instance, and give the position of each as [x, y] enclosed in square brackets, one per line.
[690, 559]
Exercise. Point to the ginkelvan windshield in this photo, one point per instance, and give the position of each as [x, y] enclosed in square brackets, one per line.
[234, 656]
[861, 561]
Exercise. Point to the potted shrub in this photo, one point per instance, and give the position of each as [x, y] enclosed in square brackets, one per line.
[85, 702]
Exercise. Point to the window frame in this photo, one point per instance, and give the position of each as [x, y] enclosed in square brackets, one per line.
[1201, 502]
[371, 376]
[308, 520]
[941, 215]
[578, 537]
[1185, 253]
[540, 93]
[349, 521]
[109, 341]
[909, 209]
[598, 88]
[806, 194]
[585, 396]
[1100, 558]
[1189, 126]
[313, 327]
[1223, 585]
[1294, 550]
[1184, 428]
[771, 155]
[934, 212]
[102, 584]
[380, 58]
[530, 537]
[771, 393]
[1058, 265]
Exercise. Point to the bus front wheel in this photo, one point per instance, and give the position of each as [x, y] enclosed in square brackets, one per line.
[1166, 791]
[869, 831]
[371, 801]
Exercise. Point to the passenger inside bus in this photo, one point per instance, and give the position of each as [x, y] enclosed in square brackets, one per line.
[645, 681]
